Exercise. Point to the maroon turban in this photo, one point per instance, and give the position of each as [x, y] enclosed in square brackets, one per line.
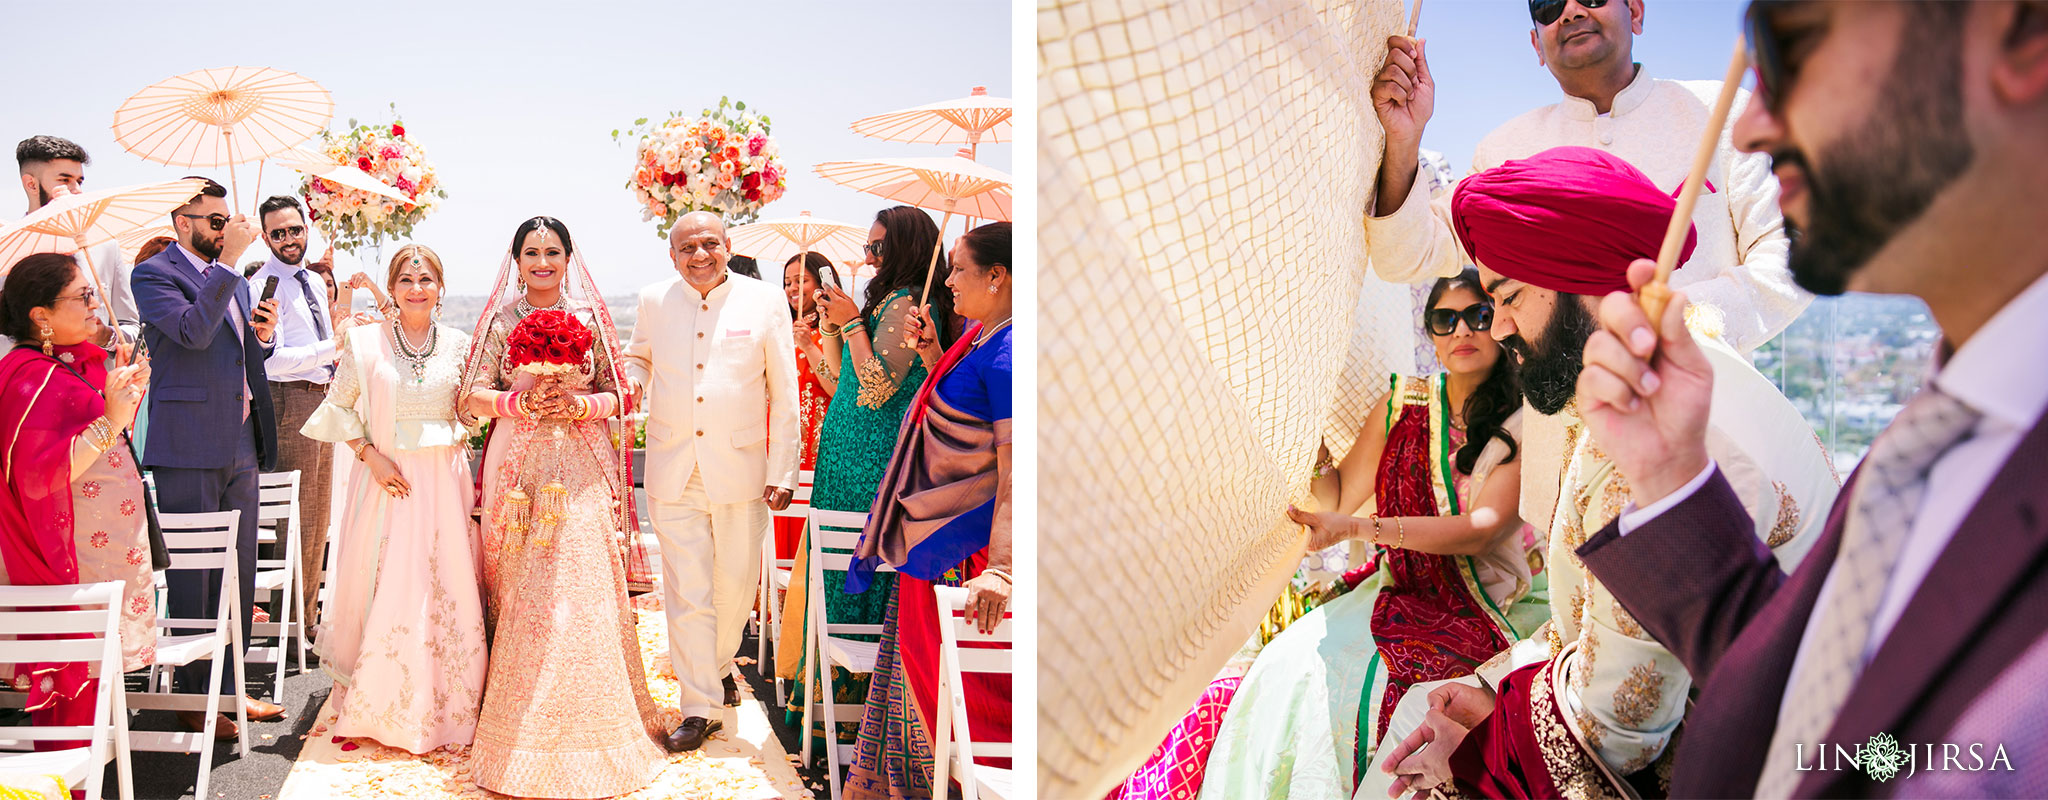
[1569, 219]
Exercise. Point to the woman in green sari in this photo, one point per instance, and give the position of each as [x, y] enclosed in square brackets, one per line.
[877, 377]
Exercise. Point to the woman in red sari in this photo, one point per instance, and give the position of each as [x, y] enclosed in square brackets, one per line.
[70, 511]
[1449, 584]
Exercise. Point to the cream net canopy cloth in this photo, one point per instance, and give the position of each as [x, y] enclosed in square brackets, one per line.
[1204, 169]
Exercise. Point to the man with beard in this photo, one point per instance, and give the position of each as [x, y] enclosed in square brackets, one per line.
[211, 427]
[1912, 141]
[1610, 103]
[52, 167]
[1588, 704]
[299, 370]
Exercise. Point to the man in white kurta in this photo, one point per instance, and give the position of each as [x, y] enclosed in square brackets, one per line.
[713, 353]
[1610, 103]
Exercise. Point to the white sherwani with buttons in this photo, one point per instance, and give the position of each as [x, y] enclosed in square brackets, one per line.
[719, 371]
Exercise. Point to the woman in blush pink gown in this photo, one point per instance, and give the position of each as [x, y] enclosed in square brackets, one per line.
[404, 635]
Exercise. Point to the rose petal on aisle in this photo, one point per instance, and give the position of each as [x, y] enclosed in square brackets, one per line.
[745, 762]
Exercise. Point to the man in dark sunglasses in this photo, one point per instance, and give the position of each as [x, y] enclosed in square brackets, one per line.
[212, 426]
[1912, 143]
[1612, 103]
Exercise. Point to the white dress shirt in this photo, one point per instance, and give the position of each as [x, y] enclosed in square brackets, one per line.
[1982, 374]
[300, 353]
[1738, 266]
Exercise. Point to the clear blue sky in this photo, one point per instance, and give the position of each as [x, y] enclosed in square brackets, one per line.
[1487, 73]
[515, 102]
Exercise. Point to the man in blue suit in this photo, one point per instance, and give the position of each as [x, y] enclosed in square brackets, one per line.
[211, 423]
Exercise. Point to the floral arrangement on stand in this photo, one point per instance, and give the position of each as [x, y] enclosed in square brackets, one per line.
[722, 160]
[351, 217]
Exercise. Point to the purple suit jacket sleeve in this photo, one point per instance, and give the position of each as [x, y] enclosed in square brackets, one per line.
[1692, 576]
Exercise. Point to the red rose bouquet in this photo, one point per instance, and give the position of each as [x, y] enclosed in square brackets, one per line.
[549, 343]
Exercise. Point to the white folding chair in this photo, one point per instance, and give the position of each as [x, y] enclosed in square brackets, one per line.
[277, 524]
[953, 742]
[96, 621]
[200, 542]
[775, 580]
[833, 535]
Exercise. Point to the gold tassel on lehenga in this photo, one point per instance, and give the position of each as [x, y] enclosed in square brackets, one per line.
[549, 512]
[518, 506]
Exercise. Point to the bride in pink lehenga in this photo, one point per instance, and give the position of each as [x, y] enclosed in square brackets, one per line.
[566, 711]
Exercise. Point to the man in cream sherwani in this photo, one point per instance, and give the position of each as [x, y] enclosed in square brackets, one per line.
[712, 351]
[1611, 103]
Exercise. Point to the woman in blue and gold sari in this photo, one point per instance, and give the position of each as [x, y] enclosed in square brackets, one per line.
[942, 517]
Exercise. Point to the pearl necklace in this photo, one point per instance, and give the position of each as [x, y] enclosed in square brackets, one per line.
[990, 332]
[416, 359]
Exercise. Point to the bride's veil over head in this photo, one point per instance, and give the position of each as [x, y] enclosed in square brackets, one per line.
[581, 292]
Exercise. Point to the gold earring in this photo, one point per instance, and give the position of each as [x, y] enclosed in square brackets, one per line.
[49, 347]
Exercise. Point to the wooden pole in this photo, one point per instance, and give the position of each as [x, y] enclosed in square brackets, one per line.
[933, 267]
[106, 300]
[1656, 294]
[1414, 16]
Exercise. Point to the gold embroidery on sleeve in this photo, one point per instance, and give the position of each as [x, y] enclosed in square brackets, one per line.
[1788, 517]
[876, 385]
[1639, 695]
[1571, 769]
[1625, 623]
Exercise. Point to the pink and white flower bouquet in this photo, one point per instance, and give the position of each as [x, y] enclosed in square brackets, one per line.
[722, 161]
[351, 217]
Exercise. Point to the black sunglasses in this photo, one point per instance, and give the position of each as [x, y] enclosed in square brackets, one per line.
[217, 221]
[1545, 12]
[287, 232]
[1442, 321]
[873, 248]
[1766, 56]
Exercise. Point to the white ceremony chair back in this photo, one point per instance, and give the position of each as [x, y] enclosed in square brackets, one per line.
[202, 542]
[277, 524]
[92, 614]
[833, 535]
[775, 579]
[953, 741]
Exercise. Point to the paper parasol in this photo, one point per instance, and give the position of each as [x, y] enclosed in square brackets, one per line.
[969, 120]
[957, 185]
[222, 117]
[82, 221]
[318, 165]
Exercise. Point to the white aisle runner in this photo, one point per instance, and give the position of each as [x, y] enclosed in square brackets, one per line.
[743, 762]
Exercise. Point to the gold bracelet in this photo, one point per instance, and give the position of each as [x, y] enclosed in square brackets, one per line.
[1401, 542]
[360, 447]
[998, 573]
[1375, 528]
[102, 435]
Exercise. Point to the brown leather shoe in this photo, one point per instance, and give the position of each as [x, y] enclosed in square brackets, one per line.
[692, 734]
[195, 721]
[261, 711]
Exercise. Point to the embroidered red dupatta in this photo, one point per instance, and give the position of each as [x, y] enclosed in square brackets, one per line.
[43, 406]
[1428, 620]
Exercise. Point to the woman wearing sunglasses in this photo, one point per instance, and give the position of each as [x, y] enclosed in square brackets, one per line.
[1431, 485]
